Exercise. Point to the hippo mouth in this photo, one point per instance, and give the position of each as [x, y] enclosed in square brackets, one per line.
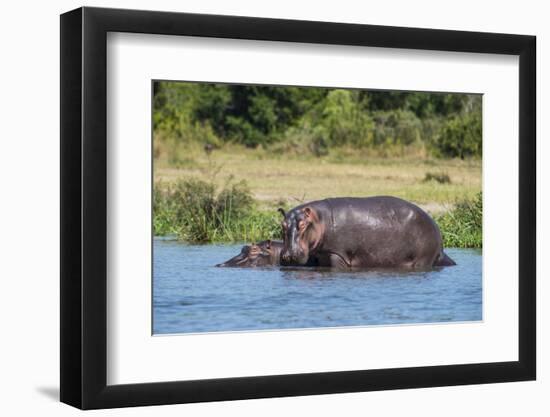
[240, 260]
[288, 258]
[250, 256]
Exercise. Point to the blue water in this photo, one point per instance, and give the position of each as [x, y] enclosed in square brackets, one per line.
[191, 295]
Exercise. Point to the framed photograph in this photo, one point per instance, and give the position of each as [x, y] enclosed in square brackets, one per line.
[258, 208]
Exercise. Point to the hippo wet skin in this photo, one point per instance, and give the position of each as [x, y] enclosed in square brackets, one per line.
[371, 232]
[264, 253]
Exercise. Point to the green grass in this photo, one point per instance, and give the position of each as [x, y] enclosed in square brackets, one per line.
[197, 211]
[293, 179]
[462, 227]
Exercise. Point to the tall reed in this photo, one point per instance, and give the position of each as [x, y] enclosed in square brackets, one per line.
[197, 211]
[462, 227]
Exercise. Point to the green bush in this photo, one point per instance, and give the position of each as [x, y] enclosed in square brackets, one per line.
[197, 212]
[242, 131]
[336, 121]
[462, 227]
[343, 120]
[184, 114]
[315, 120]
[396, 127]
[460, 137]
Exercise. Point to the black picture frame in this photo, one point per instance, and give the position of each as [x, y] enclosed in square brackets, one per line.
[84, 207]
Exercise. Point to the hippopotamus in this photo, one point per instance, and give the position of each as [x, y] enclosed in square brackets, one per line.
[264, 253]
[371, 232]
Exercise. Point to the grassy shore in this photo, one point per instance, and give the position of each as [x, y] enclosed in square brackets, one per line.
[232, 194]
[290, 180]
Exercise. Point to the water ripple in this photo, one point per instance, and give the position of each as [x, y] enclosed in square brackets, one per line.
[191, 295]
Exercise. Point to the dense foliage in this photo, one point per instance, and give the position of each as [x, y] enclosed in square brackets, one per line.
[197, 211]
[317, 119]
[462, 227]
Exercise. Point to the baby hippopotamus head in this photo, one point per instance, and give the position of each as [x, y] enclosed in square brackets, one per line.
[302, 231]
[264, 253]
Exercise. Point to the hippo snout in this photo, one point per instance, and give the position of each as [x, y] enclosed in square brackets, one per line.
[291, 258]
[285, 257]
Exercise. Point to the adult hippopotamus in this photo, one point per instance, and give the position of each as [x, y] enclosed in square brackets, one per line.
[264, 253]
[372, 232]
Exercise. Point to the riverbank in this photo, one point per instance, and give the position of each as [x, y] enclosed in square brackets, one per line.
[233, 195]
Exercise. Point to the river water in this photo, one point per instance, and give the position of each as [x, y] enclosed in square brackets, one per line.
[191, 295]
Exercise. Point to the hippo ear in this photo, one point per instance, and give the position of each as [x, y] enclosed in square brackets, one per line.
[311, 215]
[280, 210]
[268, 244]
